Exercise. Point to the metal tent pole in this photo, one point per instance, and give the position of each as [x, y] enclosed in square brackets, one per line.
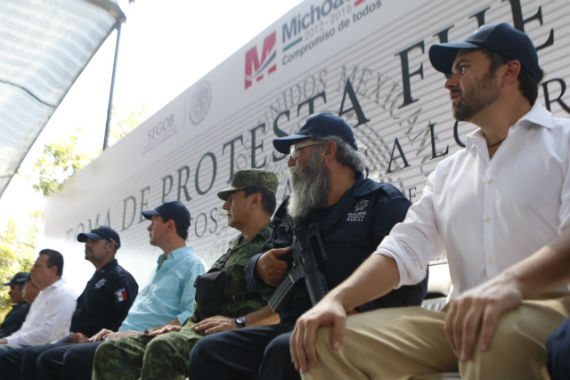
[110, 107]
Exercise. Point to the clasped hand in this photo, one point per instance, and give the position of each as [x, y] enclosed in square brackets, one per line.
[270, 268]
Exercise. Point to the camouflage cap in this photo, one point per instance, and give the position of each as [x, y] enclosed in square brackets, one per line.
[242, 179]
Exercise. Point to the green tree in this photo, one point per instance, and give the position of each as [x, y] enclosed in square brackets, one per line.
[17, 254]
[63, 158]
[126, 123]
[59, 161]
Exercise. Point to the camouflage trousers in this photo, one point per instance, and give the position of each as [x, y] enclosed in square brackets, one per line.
[162, 357]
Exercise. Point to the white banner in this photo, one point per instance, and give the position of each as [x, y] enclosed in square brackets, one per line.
[365, 60]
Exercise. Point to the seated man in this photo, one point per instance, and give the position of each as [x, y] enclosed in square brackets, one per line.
[223, 301]
[15, 317]
[104, 303]
[50, 314]
[500, 208]
[30, 291]
[351, 214]
[168, 298]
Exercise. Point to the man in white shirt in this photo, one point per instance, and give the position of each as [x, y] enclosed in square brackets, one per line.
[501, 210]
[50, 314]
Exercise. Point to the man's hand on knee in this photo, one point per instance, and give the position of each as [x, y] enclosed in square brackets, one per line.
[475, 314]
[101, 335]
[215, 324]
[329, 313]
[78, 338]
[163, 330]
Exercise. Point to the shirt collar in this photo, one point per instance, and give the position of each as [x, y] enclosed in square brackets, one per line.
[537, 115]
[57, 284]
[110, 265]
[264, 233]
[173, 255]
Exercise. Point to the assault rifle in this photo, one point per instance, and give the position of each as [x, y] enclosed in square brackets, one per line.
[308, 254]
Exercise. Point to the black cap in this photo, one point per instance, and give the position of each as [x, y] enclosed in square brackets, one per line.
[19, 278]
[102, 232]
[174, 210]
[502, 38]
[317, 125]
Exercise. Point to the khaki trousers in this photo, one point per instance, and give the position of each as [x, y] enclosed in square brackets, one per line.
[410, 342]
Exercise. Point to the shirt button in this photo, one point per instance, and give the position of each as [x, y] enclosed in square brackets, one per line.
[487, 220]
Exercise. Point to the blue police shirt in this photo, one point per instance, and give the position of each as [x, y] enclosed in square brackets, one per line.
[14, 319]
[105, 301]
[351, 229]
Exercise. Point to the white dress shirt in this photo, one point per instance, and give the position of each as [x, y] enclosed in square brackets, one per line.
[489, 214]
[49, 316]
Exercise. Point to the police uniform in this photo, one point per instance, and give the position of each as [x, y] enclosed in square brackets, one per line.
[104, 303]
[14, 319]
[166, 356]
[351, 229]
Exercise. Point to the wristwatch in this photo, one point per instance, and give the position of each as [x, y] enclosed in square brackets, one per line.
[241, 321]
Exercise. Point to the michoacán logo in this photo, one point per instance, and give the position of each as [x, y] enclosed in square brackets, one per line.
[255, 68]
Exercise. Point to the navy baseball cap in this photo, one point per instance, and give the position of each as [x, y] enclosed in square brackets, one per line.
[19, 278]
[502, 38]
[317, 125]
[174, 210]
[100, 233]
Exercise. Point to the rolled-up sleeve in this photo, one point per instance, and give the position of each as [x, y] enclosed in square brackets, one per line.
[415, 241]
[254, 283]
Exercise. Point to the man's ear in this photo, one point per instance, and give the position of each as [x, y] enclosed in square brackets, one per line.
[330, 150]
[255, 200]
[53, 269]
[111, 246]
[511, 73]
[172, 225]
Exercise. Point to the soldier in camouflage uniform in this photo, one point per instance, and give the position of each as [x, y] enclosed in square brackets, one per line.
[222, 299]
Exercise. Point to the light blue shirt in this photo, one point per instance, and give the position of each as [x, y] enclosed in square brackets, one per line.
[170, 293]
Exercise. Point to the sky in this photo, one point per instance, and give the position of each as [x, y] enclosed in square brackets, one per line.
[165, 47]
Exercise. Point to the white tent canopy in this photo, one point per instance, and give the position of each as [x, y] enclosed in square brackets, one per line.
[44, 46]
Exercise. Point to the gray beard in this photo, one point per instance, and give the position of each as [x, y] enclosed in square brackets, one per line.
[310, 186]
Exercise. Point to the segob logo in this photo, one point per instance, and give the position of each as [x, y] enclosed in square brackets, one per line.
[255, 68]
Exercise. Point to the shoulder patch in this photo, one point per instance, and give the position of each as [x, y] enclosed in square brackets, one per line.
[121, 295]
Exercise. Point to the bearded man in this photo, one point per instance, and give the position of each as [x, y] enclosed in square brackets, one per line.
[500, 209]
[352, 213]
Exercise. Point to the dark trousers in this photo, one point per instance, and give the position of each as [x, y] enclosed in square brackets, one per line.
[248, 353]
[558, 352]
[67, 361]
[10, 359]
[20, 363]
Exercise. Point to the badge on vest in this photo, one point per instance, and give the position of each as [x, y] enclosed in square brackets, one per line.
[100, 283]
[359, 212]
